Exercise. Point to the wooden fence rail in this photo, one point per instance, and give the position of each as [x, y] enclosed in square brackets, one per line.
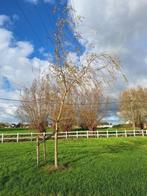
[17, 137]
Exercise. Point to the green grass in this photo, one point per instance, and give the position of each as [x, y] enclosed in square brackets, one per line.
[27, 130]
[15, 130]
[100, 167]
[19, 130]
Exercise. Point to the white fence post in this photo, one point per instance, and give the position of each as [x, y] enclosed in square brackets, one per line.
[87, 135]
[116, 133]
[142, 133]
[97, 133]
[77, 134]
[2, 139]
[66, 134]
[146, 132]
[125, 133]
[107, 134]
[17, 137]
[134, 133]
[31, 136]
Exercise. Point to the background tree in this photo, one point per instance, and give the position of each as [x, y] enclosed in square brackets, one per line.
[68, 118]
[92, 111]
[35, 107]
[133, 106]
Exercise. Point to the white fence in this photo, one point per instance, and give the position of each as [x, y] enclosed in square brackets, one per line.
[9, 137]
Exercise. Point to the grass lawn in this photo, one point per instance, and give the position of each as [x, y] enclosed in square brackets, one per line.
[19, 130]
[111, 167]
[27, 130]
[14, 130]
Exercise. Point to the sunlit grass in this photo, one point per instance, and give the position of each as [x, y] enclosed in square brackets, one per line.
[114, 166]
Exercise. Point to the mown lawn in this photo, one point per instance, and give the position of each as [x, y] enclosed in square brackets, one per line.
[27, 130]
[19, 130]
[14, 130]
[112, 167]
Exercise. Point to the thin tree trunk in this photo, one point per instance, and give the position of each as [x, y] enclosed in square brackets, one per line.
[132, 114]
[37, 150]
[56, 131]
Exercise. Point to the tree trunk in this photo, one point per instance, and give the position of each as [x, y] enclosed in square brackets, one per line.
[37, 150]
[133, 118]
[56, 146]
[56, 130]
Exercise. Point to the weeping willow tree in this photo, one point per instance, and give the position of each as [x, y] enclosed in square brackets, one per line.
[92, 108]
[89, 70]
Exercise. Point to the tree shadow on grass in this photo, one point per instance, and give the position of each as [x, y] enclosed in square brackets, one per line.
[123, 146]
[76, 160]
[108, 148]
[4, 180]
[84, 156]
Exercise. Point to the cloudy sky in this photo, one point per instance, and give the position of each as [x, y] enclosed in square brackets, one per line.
[26, 28]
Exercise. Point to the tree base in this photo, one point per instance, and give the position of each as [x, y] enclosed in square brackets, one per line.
[52, 168]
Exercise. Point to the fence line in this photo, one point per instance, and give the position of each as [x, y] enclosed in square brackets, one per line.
[17, 137]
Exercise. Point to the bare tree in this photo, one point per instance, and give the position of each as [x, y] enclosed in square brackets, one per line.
[35, 107]
[92, 111]
[71, 79]
[133, 106]
[89, 71]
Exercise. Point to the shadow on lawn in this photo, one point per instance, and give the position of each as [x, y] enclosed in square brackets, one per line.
[123, 146]
[107, 148]
[95, 153]
[3, 181]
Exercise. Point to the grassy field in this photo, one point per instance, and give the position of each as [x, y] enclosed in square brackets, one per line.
[100, 167]
[18, 130]
[14, 130]
[26, 130]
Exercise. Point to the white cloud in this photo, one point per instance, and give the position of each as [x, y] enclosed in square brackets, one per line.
[4, 19]
[8, 109]
[118, 27]
[15, 63]
[18, 68]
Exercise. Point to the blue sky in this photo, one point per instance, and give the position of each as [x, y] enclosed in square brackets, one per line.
[26, 28]
[35, 21]
[27, 33]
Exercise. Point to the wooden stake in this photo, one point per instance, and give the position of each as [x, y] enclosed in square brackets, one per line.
[56, 150]
[37, 150]
[44, 147]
